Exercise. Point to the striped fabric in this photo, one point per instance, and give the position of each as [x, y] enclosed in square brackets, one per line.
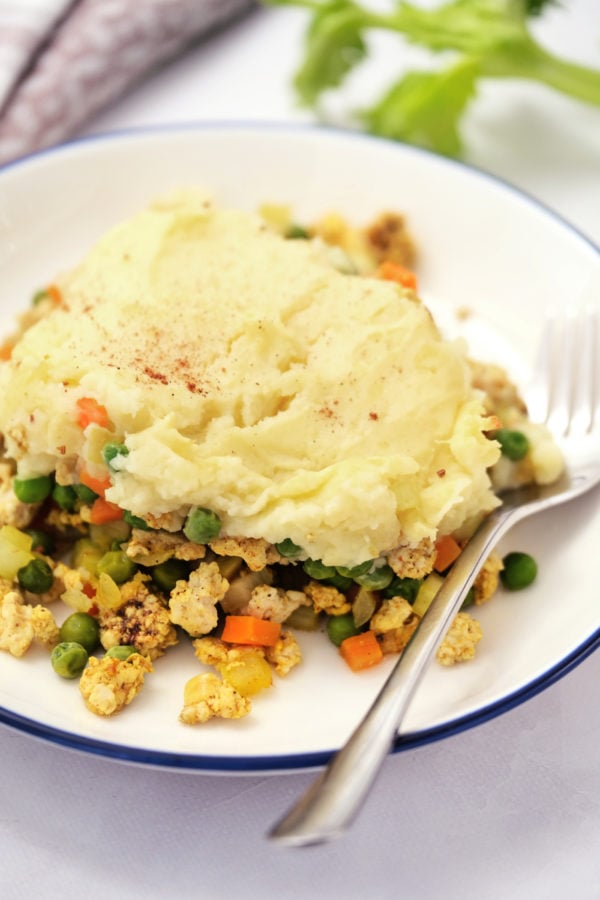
[24, 26]
[62, 61]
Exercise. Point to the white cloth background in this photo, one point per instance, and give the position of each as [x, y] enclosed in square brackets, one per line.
[61, 62]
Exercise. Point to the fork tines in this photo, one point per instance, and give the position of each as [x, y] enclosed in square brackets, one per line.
[566, 393]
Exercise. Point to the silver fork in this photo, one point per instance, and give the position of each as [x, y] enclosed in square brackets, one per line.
[567, 398]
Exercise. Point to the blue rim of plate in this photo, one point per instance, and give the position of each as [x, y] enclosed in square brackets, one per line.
[295, 762]
[281, 764]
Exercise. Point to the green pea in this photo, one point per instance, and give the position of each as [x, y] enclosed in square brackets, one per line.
[65, 496]
[111, 453]
[36, 576]
[341, 582]
[166, 575]
[469, 599]
[341, 627]
[32, 490]
[297, 232]
[38, 296]
[110, 533]
[84, 493]
[513, 444]
[314, 568]
[86, 555]
[117, 564]
[202, 525]
[288, 548]
[520, 570]
[121, 651]
[135, 521]
[403, 587]
[377, 580]
[354, 571]
[69, 659]
[81, 628]
[41, 541]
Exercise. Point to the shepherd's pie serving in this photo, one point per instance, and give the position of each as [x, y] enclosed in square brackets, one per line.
[261, 430]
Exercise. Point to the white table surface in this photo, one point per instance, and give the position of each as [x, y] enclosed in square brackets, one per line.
[510, 809]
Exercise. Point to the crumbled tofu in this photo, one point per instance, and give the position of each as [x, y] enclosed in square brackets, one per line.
[273, 603]
[501, 393]
[109, 684]
[326, 598]
[193, 603]
[544, 462]
[45, 629]
[486, 583]
[389, 239]
[256, 552]
[240, 588]
[21, 624]
[170, 521]
[412, 561]
[6, 587]
[12, 511]
[245, 668]
[85, 511]
[211, 651]
[396, 623]
[285, 654]
[74, 587]
[460, 641]
[64, 522]
[142, 621]
[66, 470]
[207, 696]
[150, 548]
[71, 578]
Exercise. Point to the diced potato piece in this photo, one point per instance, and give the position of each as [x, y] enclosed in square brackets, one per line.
[304, 618]
[76, 599]
[108, 595]
[103, 536]
[363, 606]
[15, 551]
[229, 566]
[86, 555]
[426, 594]
[248, 673]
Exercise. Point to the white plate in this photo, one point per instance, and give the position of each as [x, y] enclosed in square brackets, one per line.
[483, 246]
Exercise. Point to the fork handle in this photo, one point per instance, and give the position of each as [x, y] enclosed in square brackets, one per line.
[333, 799]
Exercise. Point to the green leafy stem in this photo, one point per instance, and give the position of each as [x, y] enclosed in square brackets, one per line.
[488, 39]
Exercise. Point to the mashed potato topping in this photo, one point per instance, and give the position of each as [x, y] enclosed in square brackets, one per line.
[247, 375]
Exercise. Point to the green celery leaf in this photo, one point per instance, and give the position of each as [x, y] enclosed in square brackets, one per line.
[537, 7]
[473, 27]
[424, 108]
[334, 45]
[490, 37]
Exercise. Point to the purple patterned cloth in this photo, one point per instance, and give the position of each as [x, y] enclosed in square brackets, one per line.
[62, 61]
